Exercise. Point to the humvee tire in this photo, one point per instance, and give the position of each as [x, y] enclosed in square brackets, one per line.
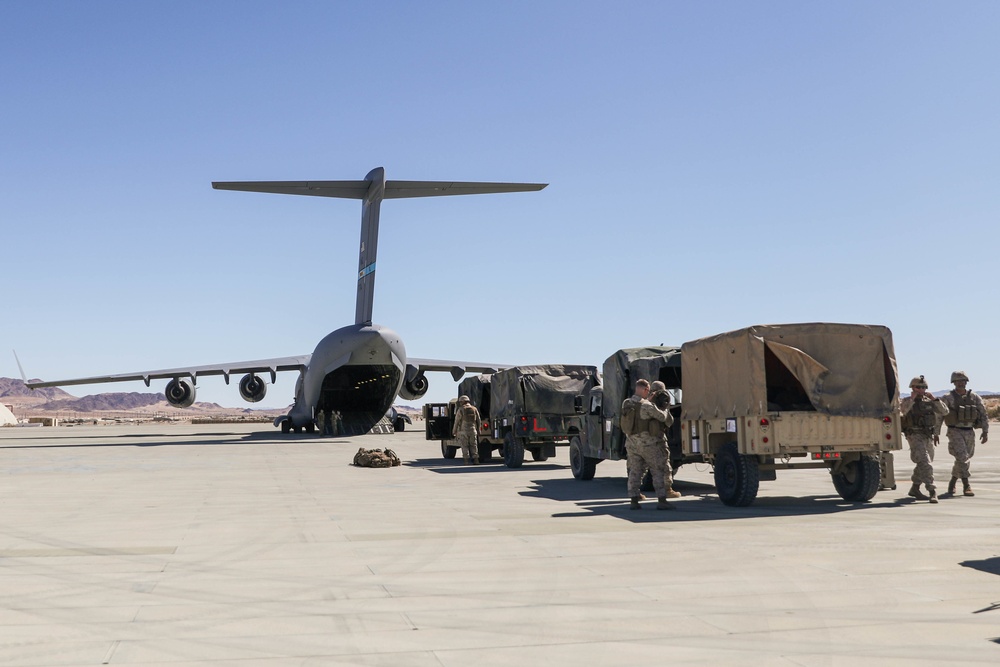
[737, 478]
[858, 481]
[539, 454]
[513, 451]
[485, 451]
[447, 451]
[583, 467]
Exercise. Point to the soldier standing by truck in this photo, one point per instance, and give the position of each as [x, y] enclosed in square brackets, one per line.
[646, 426]
[466, 430]
[921, 424]
[966, 413]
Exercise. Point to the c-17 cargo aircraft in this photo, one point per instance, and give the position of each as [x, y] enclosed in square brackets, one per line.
[357, 370]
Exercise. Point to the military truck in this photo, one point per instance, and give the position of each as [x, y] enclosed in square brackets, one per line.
[439, 418]
[532, 408]
[760, 399]
[601, 439]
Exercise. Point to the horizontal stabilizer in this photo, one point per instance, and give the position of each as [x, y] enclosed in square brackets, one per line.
[393, 189]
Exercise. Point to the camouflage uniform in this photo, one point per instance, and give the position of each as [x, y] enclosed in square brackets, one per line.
[648, 449]
[466, 429]
[967, 413]
[921, 426]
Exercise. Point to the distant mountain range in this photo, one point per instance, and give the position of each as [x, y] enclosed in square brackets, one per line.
[53, 399]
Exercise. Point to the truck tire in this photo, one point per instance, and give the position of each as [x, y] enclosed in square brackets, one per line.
[858, 481]
[539, 454]
[485, 451]
[737, 478]
[399, 425]
[513, 451]
[583, 467]
[447, 451]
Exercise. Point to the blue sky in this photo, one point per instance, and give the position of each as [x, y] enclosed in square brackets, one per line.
[712, 165]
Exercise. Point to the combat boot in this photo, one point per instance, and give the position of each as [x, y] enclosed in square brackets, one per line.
[951, 486]
[915, 492]
[966, 488]
[673, 494]
[932, 494]
[635, 503]
[662, 504]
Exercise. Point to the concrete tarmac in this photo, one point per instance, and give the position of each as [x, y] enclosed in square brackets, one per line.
[229, 545]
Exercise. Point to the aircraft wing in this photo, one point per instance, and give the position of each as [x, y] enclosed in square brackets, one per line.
[262, 366]
[456, 368]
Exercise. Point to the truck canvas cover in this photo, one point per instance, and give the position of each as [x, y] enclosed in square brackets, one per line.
[624, 367]
[546, 389]
[835, 369]
[477, 388]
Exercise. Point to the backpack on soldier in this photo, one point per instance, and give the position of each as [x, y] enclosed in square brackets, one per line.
[629, 420]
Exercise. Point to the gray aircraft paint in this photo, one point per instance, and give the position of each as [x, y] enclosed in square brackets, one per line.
[357, 370]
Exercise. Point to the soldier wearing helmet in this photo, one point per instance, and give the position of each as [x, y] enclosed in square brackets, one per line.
[647, 446]
[966, 413]
[921, 422]
[466, 429]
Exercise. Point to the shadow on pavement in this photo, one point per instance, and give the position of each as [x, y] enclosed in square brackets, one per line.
[607, 496]
[453, 466]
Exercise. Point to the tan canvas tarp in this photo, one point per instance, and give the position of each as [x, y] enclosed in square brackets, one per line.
[836, 369]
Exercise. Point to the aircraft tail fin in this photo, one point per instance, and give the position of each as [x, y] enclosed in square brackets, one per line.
[372, 191]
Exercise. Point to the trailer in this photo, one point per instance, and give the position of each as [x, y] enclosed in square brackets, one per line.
[791, 396]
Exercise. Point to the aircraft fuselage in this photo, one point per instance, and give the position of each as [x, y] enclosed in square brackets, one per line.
[355, 371]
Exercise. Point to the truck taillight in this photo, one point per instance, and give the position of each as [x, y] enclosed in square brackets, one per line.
[826, 455]
[486, 426]
[764, 422]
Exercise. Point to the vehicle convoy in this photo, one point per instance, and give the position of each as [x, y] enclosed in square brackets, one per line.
[601, 438]
[439, 418]
[531, 408]
[754, 399]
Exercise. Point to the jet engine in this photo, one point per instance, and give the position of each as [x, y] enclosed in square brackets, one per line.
[180, 393]
[414, 388]
[252, 388]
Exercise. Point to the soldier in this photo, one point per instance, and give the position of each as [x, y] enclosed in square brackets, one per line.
[921, 422]
[966, 412]
[466, 429]
[647, 446]
[659, 397]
